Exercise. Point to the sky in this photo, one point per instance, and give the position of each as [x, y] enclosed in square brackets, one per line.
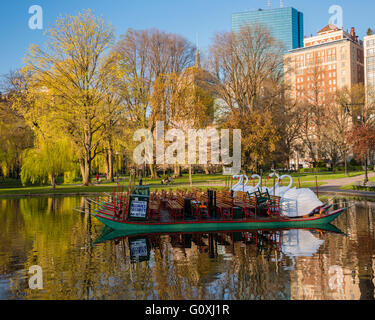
[186, 17]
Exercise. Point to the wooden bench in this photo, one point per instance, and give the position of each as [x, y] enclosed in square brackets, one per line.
[177, 207]
[154, 209]
[273, 206]
[224, 202]
[247, 203]
[250, 206]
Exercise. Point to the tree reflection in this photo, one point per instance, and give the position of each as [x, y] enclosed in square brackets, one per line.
[222, 265]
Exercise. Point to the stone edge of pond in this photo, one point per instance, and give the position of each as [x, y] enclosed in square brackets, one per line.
[49, 195]
[359, 194]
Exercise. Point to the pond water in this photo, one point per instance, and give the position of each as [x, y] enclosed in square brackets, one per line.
[79, 263]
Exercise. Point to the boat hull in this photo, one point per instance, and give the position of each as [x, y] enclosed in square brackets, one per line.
[201, 226]
[109, 234]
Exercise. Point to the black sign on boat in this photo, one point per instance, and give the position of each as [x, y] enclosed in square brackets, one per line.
[138, 204]
[138, 207]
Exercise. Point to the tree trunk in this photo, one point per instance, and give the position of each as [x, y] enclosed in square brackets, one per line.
[346, 164]
[206, 171]
[53, 181]
[110, 165]
[85, 166]
[190, 176]
[366, 170]
[106, 164]
[177, 171]
[85, 162]
[153, 171]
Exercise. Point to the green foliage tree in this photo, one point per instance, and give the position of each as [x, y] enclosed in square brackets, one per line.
[47, 160]
[70, 70]
[15, 137]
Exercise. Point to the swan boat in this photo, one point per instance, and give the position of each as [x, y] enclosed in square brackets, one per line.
[120, 216]
[215, 210]
[294, 202]
[215, 225]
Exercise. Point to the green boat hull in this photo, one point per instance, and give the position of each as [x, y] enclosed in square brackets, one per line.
[109, 234]
[145, 228]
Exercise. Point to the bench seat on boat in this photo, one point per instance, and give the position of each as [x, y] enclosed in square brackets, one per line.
[177, 207]
[224, 203]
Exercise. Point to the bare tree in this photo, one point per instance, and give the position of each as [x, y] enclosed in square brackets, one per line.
[245, 63]
[316, 101]
[144, 58]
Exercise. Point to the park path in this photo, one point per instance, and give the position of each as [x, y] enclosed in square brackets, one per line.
[333, 186]
[345, 181]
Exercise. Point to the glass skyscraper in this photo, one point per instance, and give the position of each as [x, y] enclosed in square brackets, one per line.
[284, 24]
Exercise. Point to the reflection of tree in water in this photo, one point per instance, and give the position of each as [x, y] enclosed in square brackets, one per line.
[191, 266]
[234, 265]
[352, 255]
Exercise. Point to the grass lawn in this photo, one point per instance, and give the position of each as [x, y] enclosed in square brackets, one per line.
[326, 175]
[347, 187]
[14, 188]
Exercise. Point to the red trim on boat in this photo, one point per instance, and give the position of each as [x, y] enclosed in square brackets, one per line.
[99, 214]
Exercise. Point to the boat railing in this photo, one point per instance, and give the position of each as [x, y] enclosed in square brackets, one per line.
[169, 207]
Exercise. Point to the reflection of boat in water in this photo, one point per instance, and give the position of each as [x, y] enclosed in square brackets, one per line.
[300, 242]
[109, 234]
[290, 242]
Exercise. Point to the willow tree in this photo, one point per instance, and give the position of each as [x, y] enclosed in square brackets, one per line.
[15, 133]
[69, 69]
[47, 161]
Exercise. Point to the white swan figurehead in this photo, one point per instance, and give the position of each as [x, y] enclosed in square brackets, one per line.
[237, 185]
[241, 186]
[270, 190]
[250, 189]
[282, 190]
